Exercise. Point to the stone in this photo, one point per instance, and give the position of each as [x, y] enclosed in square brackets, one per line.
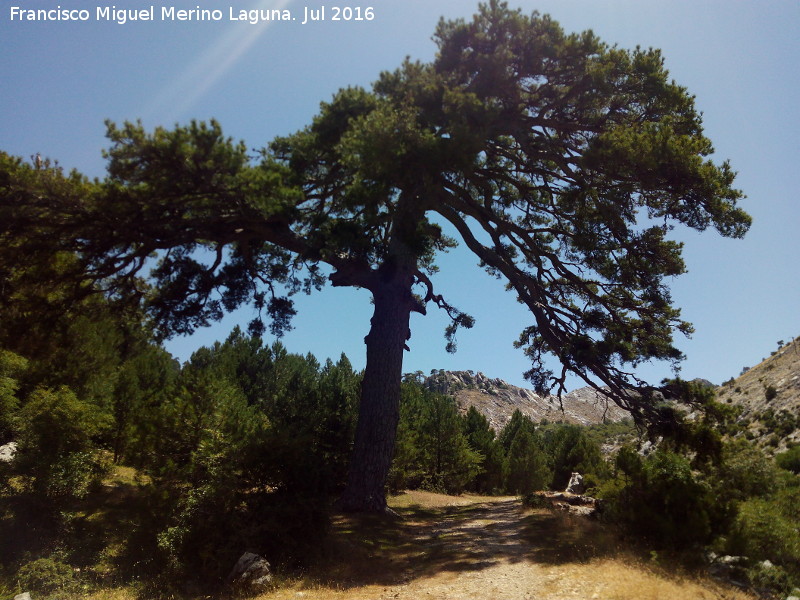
[728, 569]
[732, 560]
[23, 596]
[251, 571]
[575, 485]
[8, 452]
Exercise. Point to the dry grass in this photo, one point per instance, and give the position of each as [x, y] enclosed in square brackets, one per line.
[619, 579]
[468, 547]
[610, 579]
[125, 476]
[476, 547]
[423, 499]
[113, 594]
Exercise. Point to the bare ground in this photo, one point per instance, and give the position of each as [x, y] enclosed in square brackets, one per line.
[461, 548]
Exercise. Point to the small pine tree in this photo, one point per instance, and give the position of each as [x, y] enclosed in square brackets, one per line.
[527, 470]
[481, 438]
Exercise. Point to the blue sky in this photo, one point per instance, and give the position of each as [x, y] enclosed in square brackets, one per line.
[61, 80]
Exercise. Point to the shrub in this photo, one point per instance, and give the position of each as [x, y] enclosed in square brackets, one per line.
[213, 523]
[768, 578]
[781, 423]
[47, 576]
[257, 445]
[55, 422]
[745, 472]
[789, 460]
[74, 475]
[11, 366]
[662, 501]
[536, 501]
[764, 530]
[56, 451]
[770, 392]
[788, 499]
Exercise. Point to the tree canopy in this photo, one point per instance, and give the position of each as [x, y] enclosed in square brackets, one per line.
[561, 162]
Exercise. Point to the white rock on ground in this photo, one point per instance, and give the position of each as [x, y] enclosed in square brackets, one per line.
[7, 453]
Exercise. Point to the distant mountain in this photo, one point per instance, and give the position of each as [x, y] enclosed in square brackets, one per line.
[497, 400]
[769, 397]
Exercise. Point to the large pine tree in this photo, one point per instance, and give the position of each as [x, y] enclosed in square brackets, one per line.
[560, 161]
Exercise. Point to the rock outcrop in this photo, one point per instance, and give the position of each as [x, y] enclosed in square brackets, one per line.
[576, 504]
[251, 572]
[8, 452]
[497, 400]
[575, 485]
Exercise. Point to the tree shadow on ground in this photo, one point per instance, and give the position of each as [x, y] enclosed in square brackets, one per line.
[376, 550]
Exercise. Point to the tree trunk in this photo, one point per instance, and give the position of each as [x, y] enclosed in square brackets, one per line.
[379, 410]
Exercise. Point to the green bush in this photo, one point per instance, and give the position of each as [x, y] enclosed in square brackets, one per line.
[54, 422]
[211, 524]
[745, 472]
[252, 448]
[661, 500]
[11, 366]
[536, 501]
[765, 529]
[780, 424]
[770, 578]
[74, 475]
[56, 453]
[789, 460]
[47, 576]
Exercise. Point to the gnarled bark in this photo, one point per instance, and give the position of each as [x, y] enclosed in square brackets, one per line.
[379, 411]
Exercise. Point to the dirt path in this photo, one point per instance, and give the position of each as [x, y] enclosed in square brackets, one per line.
[488, 549]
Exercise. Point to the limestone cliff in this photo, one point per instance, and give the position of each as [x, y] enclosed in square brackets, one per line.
[497, 400]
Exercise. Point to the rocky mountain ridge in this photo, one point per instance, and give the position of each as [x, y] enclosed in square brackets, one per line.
[497, 400]
[765, 396]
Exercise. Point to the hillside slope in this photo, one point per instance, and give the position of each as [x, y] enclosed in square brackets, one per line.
[497, 400]
[768, 395]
